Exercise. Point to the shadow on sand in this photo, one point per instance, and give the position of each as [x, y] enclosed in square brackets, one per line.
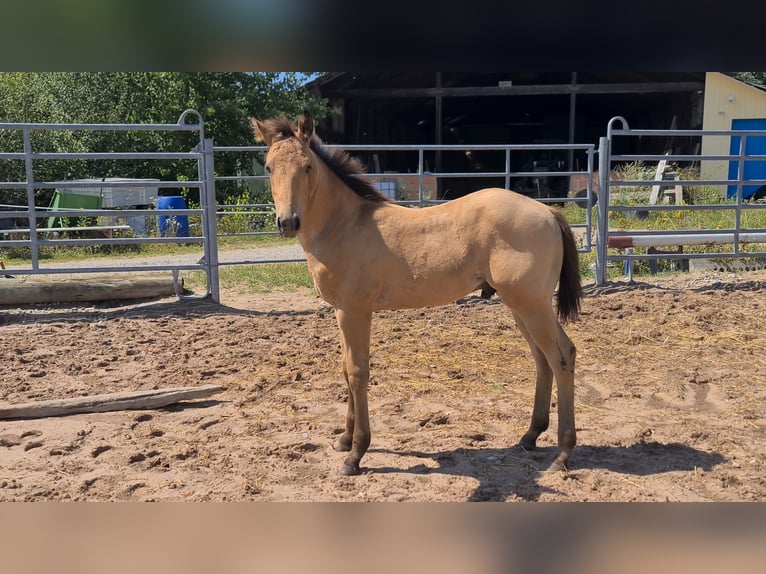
[504, 473]
[135, 309]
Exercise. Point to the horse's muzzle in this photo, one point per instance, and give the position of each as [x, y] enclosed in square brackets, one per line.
[288, 226]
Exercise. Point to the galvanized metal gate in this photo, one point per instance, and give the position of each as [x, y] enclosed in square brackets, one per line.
[707, 169]
[35, 235]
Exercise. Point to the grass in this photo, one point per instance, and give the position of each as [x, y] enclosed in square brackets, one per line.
[261, 278]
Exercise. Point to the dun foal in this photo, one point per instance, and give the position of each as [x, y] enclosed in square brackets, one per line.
[367, 254]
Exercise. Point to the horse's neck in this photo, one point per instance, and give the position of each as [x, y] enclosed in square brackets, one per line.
[334, 208]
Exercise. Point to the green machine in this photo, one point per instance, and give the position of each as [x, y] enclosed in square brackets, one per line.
[65, 200]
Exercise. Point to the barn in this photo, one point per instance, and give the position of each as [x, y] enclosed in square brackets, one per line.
[446, 108]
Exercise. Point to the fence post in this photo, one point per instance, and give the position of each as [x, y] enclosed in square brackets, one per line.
[420, 178]
[602, 223]
[210, 227]
[30, 188]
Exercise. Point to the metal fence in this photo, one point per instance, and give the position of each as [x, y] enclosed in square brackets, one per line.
[628, 242]
[35, 235]
[419, 187]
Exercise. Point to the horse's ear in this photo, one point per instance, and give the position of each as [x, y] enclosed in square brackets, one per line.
[260, 132]
[305, 126]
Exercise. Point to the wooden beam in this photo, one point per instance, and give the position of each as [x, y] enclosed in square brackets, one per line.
[655, 193]
[131, 400]
[520, 90]
[60, 290]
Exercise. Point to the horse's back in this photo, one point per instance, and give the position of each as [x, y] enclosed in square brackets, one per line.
[498, 198]
[518, 220]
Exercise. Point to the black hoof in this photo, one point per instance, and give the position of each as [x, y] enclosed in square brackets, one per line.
[350, 470]
[528, 442]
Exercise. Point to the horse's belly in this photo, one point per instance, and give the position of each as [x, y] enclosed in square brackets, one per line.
[419, 293]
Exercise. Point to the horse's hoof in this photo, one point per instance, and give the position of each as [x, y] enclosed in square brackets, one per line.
[557, 466]
[528, 443]
[349, 470]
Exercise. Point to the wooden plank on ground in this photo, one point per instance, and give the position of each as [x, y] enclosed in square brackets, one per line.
[131, 400]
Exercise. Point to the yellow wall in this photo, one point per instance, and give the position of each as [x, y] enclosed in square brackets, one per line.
[726, 99]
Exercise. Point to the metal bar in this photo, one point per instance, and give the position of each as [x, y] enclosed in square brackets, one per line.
[420, 178]
[507, 169]
[105, 269]
[74, 183]
[658, 256]
[207, 174]
[589, 204]
[426, 147]
[29, 174]
[602, 234]
[58, 229]
[740, 176]
[686, 157]
[664, 133]
[649, 182]
[105, 241]
[675, 239]
[113, 155]
[101, 127]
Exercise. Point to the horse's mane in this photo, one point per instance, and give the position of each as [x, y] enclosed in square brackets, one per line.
[347, 168]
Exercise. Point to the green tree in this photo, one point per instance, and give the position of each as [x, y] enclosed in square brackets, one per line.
[225, 101]
[754, 77]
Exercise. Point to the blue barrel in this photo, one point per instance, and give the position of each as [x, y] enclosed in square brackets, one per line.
[173, 225]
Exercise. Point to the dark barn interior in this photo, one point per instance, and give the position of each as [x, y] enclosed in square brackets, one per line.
[448, 108]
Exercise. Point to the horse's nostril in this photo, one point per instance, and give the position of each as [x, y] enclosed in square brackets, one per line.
[289, 225]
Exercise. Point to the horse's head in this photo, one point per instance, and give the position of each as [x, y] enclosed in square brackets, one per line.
[289, 165]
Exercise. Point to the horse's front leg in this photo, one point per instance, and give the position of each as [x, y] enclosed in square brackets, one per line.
[344, 444]
[355, 343]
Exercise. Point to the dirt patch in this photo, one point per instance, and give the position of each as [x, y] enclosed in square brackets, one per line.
[670, 400]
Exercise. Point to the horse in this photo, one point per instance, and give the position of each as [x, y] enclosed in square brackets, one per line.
[367, 253]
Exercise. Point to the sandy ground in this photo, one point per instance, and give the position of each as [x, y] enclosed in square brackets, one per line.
[671, 397]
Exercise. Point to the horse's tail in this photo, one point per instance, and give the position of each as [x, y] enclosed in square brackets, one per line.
[570, 286]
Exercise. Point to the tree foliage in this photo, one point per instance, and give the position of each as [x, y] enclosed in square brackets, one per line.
[225, 100]
[753, 77]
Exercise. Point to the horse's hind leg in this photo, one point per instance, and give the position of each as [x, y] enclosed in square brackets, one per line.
[547, 334]
[543, 387]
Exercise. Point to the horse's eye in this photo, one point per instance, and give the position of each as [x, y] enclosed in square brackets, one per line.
[308, 168]
[268, 169]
